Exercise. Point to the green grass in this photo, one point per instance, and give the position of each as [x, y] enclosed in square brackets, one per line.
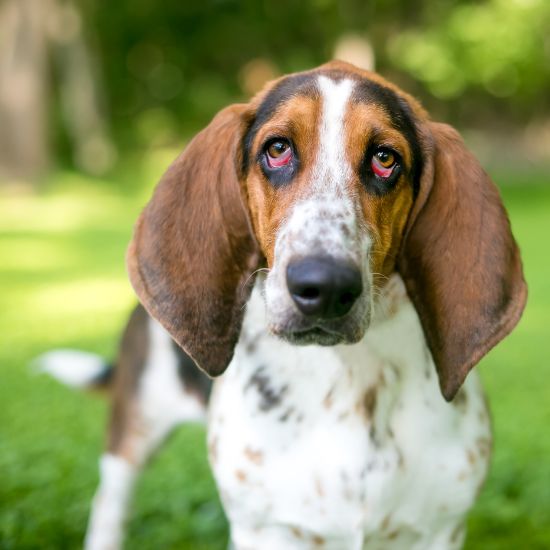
[64, 284]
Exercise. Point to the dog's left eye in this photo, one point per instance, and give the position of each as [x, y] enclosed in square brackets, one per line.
[383, 162]
[278, 153]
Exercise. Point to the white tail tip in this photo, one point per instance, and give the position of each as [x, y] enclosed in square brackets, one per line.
[74, 368]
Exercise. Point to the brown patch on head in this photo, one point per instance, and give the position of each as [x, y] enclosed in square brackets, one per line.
[291, 108]
[368, 126]
[269, 202]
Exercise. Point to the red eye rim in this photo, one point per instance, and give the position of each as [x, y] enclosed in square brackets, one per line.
[382, 171]
[283, 159]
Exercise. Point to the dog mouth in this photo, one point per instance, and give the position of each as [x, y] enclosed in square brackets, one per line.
[317, 335]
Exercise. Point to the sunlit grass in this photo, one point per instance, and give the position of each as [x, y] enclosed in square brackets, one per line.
[63, 283]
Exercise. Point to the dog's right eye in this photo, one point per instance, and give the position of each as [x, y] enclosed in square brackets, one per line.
[278, 153]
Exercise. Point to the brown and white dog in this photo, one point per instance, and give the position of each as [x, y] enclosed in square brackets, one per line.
[329, 211]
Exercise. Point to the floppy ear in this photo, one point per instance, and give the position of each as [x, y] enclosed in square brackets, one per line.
[459, 260]
[193, 249]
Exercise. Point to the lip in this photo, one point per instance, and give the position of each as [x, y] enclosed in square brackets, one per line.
[313, 335]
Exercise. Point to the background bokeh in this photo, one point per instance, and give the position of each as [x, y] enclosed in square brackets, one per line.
[97, 98]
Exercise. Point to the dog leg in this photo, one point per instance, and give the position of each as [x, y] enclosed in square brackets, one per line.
[156, 388]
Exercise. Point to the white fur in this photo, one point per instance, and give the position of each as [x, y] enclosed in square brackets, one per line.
[161, 403]
[343, 447]
[110, 504]
[324, 223]
[402, 479]
[164, 403]
[332, 169]
[74, 368]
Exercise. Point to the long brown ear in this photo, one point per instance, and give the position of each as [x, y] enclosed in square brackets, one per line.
[459, 260]
[193, 249]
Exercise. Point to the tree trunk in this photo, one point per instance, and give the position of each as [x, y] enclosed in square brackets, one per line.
[24, 150]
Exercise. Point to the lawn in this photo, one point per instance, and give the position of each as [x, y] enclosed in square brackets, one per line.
[64, 285]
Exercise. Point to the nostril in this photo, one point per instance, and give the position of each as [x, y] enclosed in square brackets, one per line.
[347, 298]
[309, 293]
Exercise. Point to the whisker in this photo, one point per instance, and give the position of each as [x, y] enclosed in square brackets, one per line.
[261, 269]
[243, 286]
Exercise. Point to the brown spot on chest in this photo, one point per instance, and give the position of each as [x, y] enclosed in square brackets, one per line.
[257, 457]
[328, 400]
[319, 487]
[369, 402]
[213, 449]
[317, 540]
[240, 475]
[460, 400]
[484, 446]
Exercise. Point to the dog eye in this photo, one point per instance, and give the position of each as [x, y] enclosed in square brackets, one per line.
[383, 162]
[278, 153]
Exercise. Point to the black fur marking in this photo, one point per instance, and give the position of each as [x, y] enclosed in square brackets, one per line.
[269, 397]
[295, 85]
[402, 120]
[192, 378]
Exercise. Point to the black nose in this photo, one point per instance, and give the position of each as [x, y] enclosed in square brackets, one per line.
[323, 287]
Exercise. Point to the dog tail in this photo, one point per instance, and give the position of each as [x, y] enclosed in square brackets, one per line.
[78, 369]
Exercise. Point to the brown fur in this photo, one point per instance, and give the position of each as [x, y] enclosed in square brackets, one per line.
[193, 249]
[459, 260]
[129, 367]
[268, 204]
[209, 226]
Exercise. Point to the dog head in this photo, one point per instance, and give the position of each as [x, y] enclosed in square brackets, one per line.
[332, 179]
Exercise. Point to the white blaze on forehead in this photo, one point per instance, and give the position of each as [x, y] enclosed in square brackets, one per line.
[332, 167]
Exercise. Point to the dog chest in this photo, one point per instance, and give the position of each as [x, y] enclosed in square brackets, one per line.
[316, 447]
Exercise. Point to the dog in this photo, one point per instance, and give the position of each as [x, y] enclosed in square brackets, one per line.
[348, 261]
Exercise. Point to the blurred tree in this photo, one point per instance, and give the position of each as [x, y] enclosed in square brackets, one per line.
[168, 67]
[34, 34]
[501, 47]
[23, 88]
[175, 65]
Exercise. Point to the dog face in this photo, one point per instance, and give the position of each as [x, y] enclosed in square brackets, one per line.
[330, 163]
[333, 179]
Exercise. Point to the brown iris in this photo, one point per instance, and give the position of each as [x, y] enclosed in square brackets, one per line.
[385, 158]
[383, 163]
[278, 154]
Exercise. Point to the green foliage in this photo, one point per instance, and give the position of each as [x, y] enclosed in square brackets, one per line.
[502, 46]
[64, 285]
[167, 69]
